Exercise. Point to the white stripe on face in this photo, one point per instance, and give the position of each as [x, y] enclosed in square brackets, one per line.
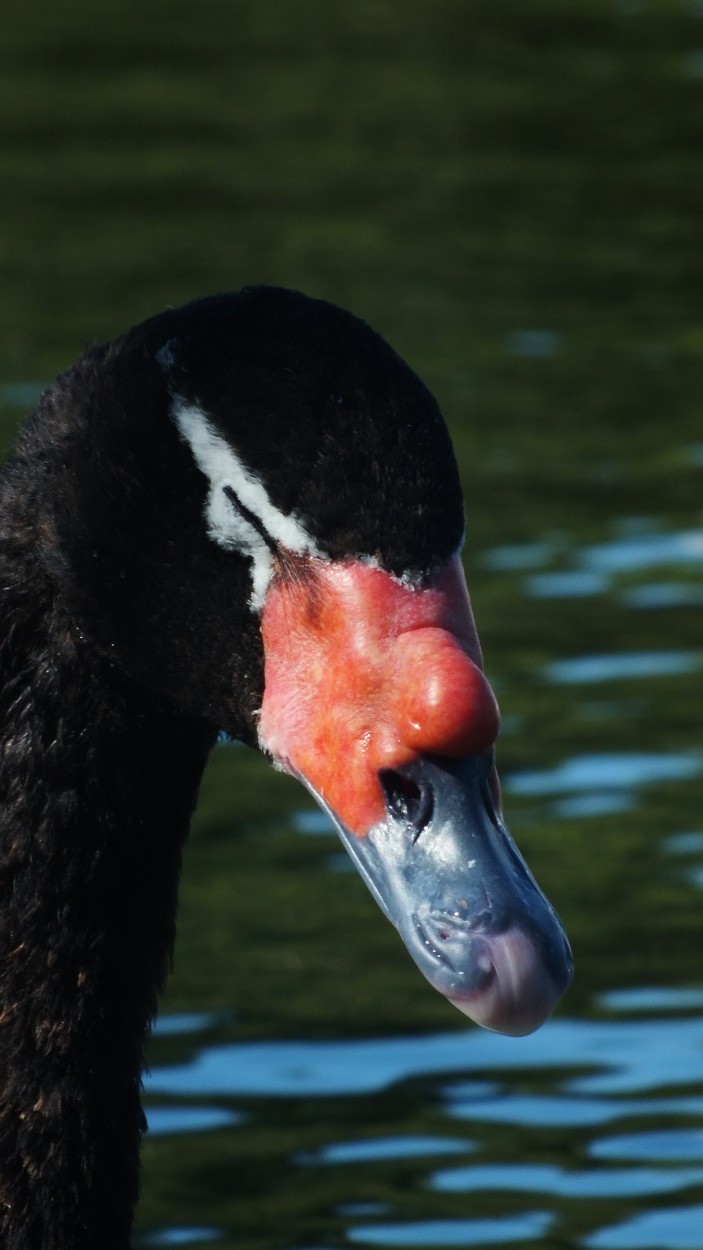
[225, 523]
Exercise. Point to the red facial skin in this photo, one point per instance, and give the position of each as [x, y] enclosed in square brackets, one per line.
[364, 673]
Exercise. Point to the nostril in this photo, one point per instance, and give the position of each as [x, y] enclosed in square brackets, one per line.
[409, 802]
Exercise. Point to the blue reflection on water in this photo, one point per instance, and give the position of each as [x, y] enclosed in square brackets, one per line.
[522, 1227]
[664, 1145]
[663, 595]
[624, 1055]
[312, 821]
[650, 998]
[534, 343]
[689, 843]
[678, 1229]
[644, 551]
[20, 394]
[606, 803]
[625, 666]
[566, 585]
[179, 1237]
[518, 557]
[626, 553]
[595, 1079]
[387, 1148]
[592, 569]
[545, 1178]
[621, 770]
[189, 1119]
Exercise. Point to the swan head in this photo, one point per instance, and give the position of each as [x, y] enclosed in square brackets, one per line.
[261, 517]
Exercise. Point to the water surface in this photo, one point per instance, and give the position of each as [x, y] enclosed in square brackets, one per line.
[511, 194]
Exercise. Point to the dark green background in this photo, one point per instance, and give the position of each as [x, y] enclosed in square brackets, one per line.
[512, 194]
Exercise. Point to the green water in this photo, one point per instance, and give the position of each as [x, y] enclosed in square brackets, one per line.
[511, 193]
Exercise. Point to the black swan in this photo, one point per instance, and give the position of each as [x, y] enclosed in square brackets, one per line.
[244, 515]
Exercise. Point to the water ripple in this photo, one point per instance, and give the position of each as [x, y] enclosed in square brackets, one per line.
[548, 1179]
[624, 1056]
[440, 1233]
[623, 667]
[676, 1229]
[617, 770]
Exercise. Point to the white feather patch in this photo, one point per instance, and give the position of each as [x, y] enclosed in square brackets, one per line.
[222, 466]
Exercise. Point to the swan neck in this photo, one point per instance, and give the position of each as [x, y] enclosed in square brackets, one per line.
[97, 785]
